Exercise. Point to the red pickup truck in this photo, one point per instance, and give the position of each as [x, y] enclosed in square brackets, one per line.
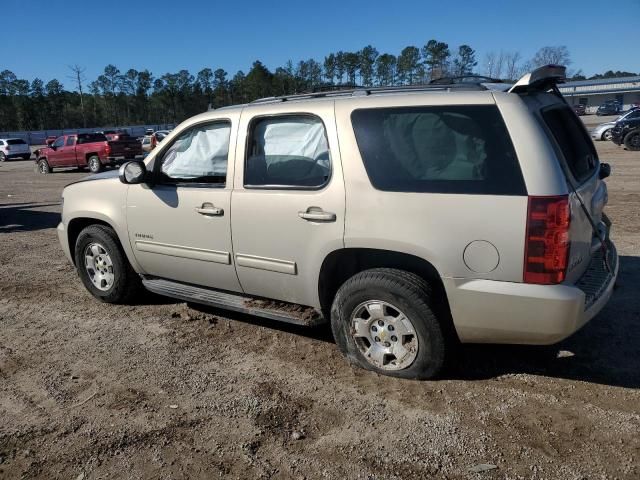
[92, 150]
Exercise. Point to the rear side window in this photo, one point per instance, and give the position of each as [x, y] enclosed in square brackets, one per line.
[573, 141]
[438, 149]
[287, 152]
[17, 141]
[91, 138]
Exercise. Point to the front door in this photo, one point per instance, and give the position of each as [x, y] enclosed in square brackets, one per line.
[180, 227]
[59, 156]
[288, 203]
[67, 153]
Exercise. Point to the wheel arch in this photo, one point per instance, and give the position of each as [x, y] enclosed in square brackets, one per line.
[77, 224]
[339, 265]
[87, 156]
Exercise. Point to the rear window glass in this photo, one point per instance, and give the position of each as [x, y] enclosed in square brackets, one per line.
[90, 138]
[439, 149]
[17, 141]
[573, 141]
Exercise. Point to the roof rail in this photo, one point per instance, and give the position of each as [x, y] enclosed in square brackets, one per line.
[466, 79]
[363, 91]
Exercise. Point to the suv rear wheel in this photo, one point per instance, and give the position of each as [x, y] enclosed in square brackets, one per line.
[103, 266]
[383, 320]
[632, 140]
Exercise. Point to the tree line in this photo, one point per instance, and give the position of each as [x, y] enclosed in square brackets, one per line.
[139, 97]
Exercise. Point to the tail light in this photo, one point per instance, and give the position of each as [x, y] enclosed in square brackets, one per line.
[547, 241]
[107, 150]
[8, 148]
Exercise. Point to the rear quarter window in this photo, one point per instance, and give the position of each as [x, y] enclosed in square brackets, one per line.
[438, 149]
[571, 138]
[90, 138]
[17, 141]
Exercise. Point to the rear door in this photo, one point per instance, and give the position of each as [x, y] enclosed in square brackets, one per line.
[288, 202]
[581, 165]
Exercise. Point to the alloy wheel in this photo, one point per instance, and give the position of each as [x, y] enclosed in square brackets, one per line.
[384, 335]
[99, 267]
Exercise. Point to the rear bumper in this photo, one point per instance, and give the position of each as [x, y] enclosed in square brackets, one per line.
[488, 311]
[11, 156]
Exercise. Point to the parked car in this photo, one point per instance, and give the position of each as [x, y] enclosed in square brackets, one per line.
[11, 148]
[149, 142]
[410, 219]
[580, 109]
[609, 107]
[92, 150]
[627, 132]
[603, 131]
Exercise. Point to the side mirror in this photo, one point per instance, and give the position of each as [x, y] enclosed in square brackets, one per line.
[50, 142]
[605, 170]
[133, 172]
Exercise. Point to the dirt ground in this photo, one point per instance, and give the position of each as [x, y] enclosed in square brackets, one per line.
[168, 390]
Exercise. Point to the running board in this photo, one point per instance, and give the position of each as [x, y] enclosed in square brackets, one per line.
[271, 309]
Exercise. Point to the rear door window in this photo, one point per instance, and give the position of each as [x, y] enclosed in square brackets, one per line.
[17, 141]
[572, 139]
[287, 152]
[438, 149]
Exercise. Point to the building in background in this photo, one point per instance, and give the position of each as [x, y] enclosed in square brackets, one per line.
[592, 93]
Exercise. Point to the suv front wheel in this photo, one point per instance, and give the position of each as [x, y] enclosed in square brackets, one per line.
[384, 320]
[103, 267]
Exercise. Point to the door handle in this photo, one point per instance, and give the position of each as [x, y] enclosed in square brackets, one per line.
[315, 214]
[209, 210]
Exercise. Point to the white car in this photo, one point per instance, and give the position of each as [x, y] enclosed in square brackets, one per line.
[11, 148]
[603, 131]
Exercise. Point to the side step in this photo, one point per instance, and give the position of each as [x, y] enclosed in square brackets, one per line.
[272, 309]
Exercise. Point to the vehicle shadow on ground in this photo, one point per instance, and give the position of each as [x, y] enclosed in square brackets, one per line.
[23, 217]
[605, 351]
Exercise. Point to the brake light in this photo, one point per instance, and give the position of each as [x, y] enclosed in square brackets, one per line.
[547, 241]
[107, 150]
[8, 148]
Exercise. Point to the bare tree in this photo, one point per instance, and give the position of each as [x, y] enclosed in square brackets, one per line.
[78, 77]
[489, 63]
[551, 56]
[511, 60]
[494, 64]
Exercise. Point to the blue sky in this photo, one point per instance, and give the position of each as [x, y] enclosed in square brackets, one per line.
[41, 38]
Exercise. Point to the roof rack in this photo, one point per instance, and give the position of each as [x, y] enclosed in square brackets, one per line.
[466, 79]
[363, 91]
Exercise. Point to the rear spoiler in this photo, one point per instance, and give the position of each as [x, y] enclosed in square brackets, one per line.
[541, 79]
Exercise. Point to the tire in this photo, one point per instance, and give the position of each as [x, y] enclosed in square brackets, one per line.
[3, 157]
[606, 135]
[632, 140]
[125, 283]
[94, 163]
[43, 166]
[391, 292]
